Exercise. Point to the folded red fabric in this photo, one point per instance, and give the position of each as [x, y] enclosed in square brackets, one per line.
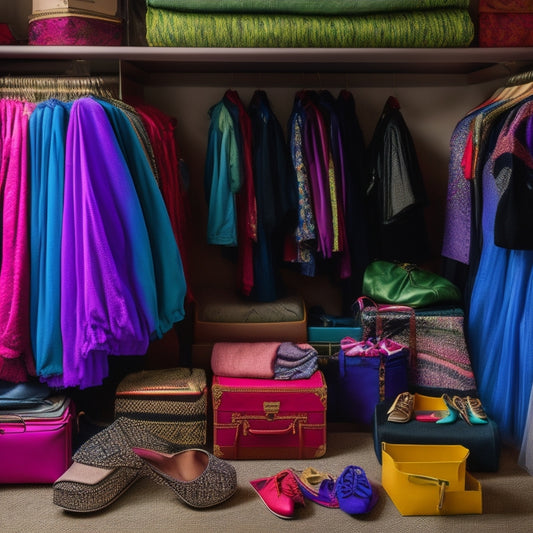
[244, 359]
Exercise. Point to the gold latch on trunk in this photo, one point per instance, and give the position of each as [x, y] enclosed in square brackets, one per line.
[271, 409]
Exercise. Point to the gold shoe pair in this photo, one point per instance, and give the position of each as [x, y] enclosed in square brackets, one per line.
[468, 408]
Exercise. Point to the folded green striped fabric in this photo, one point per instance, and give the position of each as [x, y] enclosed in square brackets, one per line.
[440, 28]
[309, 7]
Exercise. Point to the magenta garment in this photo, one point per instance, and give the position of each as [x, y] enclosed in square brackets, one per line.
[316, 156]
[16, 359]
[108, 298]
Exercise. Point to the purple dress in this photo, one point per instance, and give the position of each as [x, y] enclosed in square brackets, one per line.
[108, 297]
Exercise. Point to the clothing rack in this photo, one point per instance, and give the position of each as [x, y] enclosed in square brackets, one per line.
[39, 88]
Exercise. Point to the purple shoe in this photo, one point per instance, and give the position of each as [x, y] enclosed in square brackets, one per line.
[319, 487]
[355, 494]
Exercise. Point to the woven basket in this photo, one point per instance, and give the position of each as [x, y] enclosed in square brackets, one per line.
[172, 402]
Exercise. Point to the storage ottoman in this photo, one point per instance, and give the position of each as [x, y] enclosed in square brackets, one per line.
[172, 402]
[269, 418]
[439, 356]
[222, 315]
[482, 440]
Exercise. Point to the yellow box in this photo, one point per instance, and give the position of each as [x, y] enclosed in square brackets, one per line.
[429, 479]
[429, 403]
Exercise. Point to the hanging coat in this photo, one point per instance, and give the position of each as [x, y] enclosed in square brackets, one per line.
[396, 191]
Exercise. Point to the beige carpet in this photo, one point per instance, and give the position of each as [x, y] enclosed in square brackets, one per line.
[147, 507]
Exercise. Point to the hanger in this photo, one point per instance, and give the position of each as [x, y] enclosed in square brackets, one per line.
[517, 86]
[40, 88]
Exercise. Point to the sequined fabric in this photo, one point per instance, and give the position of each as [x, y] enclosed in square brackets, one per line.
[74, 31]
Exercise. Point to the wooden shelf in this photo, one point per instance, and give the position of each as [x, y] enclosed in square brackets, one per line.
[438, 65]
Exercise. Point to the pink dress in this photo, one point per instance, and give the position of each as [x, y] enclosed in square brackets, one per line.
[16, 359]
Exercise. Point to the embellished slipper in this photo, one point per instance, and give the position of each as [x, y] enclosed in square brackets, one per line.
[280, 493]
[105, 466]
[319, 487]
[197, 477]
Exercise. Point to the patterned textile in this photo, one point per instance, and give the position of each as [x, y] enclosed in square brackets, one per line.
[458, 203]
[441, 361]
[431, 28]
[317, 155]
[513, 172]
[305, 232]
[309, 7]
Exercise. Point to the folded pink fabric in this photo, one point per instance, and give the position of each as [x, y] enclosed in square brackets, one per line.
[244, 359]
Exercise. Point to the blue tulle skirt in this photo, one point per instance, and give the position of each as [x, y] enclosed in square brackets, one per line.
[500, 324]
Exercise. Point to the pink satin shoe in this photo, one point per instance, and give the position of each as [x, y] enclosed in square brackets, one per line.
[280, 493]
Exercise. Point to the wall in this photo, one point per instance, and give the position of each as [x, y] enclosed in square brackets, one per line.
[431, 113]
[15, 13]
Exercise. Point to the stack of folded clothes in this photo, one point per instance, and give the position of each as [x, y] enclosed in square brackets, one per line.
[269, 401]
[264, 360]
[309, 23]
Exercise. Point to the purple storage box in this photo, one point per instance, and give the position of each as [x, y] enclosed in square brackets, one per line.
[369, 377]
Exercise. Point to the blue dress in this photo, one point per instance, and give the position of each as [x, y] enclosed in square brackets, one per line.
[48, 129]
[500, 321]
[170, 283]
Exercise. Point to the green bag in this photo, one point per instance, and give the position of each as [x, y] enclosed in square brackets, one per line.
[408, 284]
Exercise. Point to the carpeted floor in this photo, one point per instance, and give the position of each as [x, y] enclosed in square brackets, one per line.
[148, 507]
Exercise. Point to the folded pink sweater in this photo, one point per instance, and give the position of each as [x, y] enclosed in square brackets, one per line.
[244, 359]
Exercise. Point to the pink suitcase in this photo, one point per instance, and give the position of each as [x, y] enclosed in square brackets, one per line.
[269, 418]
[36, 443]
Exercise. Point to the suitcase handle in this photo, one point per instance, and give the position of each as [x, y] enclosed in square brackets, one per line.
[279, 431]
